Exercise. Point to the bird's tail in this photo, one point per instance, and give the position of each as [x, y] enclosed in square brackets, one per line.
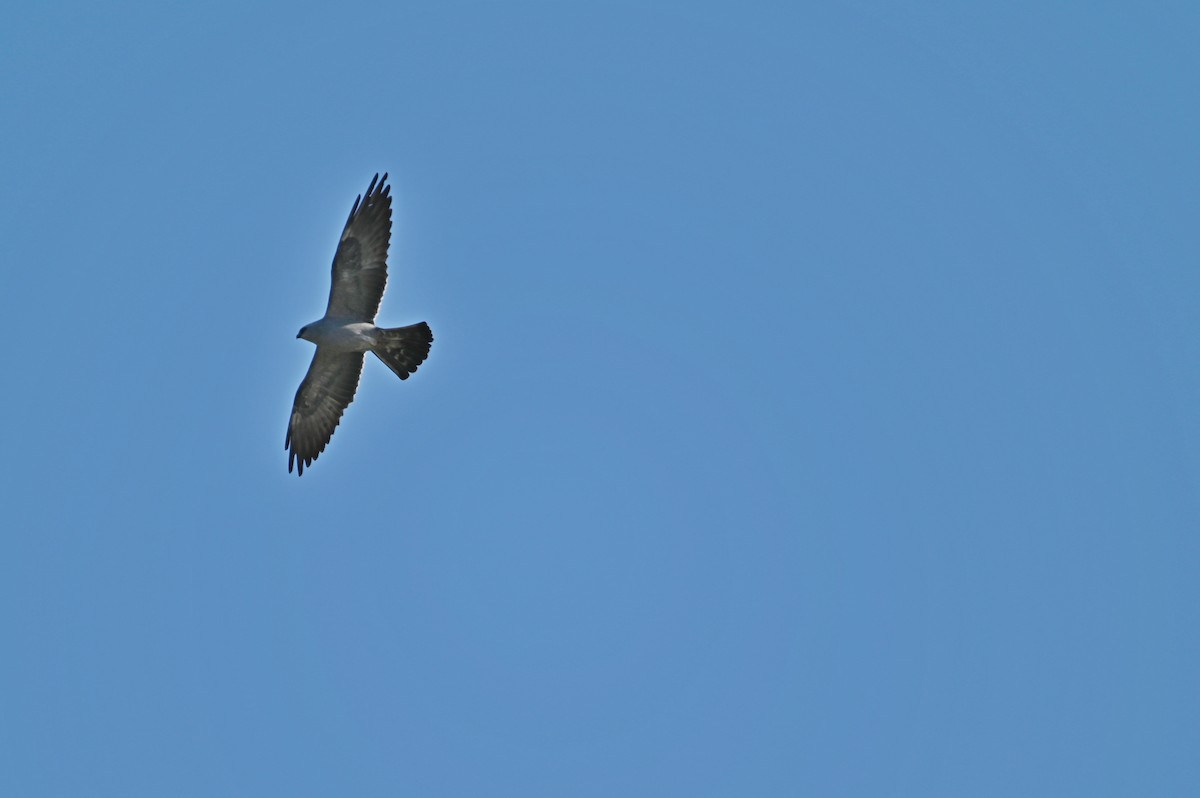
[402, 349]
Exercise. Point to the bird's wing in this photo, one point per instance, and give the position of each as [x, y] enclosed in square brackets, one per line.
[327, 390]
[360, 265]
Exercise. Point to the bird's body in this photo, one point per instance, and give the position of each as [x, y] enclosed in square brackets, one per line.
[347, 331]
[340, 335]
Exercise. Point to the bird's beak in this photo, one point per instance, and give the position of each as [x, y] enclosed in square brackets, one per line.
[297, 335]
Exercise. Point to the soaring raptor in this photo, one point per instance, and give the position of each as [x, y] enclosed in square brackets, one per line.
[347, 331]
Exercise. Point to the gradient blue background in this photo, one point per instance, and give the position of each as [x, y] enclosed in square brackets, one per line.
[813, 409]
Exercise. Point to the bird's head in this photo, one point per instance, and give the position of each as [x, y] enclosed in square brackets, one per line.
[303, 330]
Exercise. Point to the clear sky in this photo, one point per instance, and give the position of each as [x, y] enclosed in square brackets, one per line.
[813, 406]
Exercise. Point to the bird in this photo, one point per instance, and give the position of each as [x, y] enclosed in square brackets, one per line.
[347, 331]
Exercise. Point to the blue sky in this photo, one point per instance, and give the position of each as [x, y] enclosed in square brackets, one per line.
[812, 409]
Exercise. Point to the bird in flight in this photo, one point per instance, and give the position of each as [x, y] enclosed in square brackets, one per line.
[347, 331]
